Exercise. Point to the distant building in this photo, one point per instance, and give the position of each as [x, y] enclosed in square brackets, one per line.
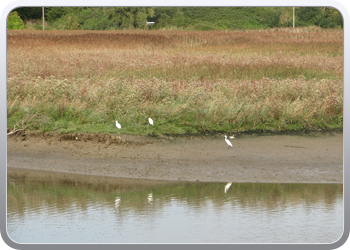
[150, 23]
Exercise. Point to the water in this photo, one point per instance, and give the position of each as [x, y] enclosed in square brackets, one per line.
[59, 210]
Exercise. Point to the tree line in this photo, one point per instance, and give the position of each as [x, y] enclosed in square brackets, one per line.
[191, 18]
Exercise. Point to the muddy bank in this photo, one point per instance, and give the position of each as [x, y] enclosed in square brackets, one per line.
[308, 158]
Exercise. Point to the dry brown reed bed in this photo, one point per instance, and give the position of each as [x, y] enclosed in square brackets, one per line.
[203, 104]
[181, 66]
[158, 40]
[189, 81]
[174, 65]
[232, 55]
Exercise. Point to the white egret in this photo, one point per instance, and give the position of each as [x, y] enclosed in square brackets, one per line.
[117, 201]
[228, 142]
[118, 125]
[233, 136]
[150, 197]
[150, 121]
[228, 185]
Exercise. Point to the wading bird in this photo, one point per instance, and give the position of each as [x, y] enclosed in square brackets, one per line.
[228, 185]
[118, 125]
[117, 201]
[150, 197]
[228, 142]
[150, 121]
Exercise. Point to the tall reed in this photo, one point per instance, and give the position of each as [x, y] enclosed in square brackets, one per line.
[189, 82]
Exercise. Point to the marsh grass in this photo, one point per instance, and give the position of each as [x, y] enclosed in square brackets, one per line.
[188, 82]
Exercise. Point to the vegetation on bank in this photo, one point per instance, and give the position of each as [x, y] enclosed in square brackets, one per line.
[187, 82]
[183, 18]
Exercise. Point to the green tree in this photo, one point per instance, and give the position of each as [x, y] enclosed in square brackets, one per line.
[102, 18]
[29, 13]
[128, 17]
[334, 15]
[179, 19]
[309, 15]
[163, 20]
[14, 22]
[274, 19]
[53, 13]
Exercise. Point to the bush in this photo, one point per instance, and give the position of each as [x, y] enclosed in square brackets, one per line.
[38, 27]
[14, 22]
[326, 23]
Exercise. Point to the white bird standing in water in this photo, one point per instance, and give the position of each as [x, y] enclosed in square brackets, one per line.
[228, 185]
[150, 121]
[228, 142]
[150, 197]
[118, 125]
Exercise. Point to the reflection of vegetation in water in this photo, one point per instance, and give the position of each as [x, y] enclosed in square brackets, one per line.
[63, 194]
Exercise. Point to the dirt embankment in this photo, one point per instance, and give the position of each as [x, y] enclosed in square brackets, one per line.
[308, 158]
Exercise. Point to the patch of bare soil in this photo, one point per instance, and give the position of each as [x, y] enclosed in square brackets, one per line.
[308, 158]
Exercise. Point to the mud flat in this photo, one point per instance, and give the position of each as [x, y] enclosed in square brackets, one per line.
[270, 158]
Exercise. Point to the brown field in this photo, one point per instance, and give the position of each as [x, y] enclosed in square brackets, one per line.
[188, 81]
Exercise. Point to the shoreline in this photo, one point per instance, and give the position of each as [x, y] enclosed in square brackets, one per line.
[253, 158]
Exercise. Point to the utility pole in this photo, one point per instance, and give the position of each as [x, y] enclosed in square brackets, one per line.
[43, 19]
[293, 17]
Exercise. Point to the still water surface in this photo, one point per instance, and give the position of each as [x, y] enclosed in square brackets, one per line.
[126, 211]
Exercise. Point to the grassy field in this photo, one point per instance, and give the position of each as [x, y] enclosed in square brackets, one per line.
[188, 82]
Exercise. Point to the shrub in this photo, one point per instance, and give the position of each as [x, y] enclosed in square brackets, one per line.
[326, 23]
[14, 22]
